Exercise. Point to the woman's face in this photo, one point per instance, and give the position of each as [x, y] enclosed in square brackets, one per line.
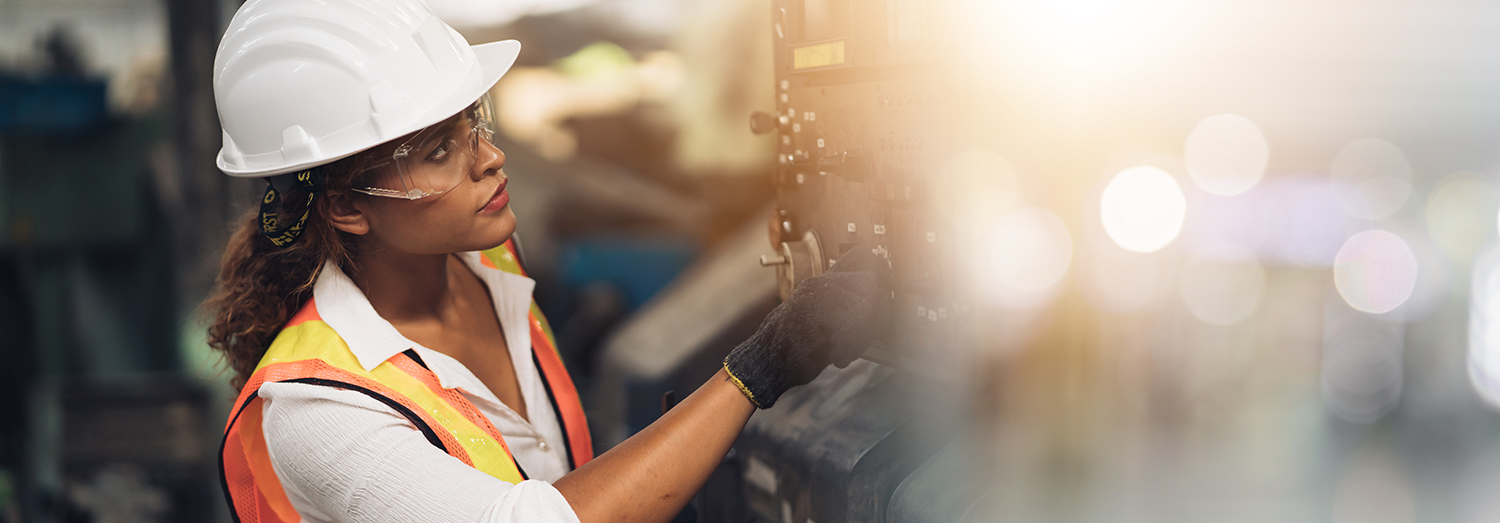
[473, 215]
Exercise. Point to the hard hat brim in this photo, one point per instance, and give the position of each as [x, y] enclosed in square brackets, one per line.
[494, 60]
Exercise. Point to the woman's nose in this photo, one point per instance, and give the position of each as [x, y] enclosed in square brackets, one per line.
[489, 159]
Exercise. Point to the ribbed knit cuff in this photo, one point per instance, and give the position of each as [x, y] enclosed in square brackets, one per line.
[741, 384]
[763, 367]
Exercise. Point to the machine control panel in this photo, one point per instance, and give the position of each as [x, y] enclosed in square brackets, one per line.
[859, 131]
[861, 139]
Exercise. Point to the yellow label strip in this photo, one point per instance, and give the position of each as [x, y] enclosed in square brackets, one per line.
[820, 55]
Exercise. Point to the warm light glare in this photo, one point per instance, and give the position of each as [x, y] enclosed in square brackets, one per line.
[1142, 209]
[981, 186]
[1030, 250]
[1226, 154]
[1373, 178]
[1081, 22]
[1121, 281]
[1083, 33]
[1375, 271]
[1222, 284]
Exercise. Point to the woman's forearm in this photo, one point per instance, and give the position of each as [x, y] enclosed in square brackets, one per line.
[652, 475]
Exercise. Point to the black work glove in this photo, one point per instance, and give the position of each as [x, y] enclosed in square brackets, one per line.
[828, 319]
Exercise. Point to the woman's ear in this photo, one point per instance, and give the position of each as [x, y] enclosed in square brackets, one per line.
[345, 215]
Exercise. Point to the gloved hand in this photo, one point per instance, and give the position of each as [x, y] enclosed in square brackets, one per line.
[828, 319]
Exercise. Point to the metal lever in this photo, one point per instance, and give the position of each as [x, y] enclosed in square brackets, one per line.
[668, 400]
[849, 164]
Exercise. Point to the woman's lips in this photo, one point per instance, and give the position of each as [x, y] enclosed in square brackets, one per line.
[498, 201]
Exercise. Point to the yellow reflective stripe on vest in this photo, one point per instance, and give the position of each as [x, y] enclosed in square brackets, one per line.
[505, 261]
[487, 454]
[316, 340]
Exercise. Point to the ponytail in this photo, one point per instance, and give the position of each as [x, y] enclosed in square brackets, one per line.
[261, 285]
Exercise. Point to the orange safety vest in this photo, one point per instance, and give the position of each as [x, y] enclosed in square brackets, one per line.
[309, 351]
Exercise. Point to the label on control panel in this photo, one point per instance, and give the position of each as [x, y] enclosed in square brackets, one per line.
[820, 55]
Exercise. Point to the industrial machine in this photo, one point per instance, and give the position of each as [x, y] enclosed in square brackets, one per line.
[863, 122]
[860, 129]
[859, 133]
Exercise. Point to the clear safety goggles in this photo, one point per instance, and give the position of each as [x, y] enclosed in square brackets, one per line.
[437, 158]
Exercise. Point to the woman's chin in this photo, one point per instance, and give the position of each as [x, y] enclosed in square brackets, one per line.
[493, 235]
[490, 244]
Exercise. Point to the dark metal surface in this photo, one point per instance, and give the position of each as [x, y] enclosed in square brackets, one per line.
[132, 450]
[943, 490]
[836, 449]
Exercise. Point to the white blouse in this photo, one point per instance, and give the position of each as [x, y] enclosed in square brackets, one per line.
[344, 457]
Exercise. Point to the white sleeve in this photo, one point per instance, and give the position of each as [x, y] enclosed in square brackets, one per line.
[342, 457]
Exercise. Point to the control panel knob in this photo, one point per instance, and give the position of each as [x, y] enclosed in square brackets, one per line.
[797, 260]
[762, 122]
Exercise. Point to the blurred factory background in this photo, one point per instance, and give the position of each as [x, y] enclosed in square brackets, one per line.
[1215, 261]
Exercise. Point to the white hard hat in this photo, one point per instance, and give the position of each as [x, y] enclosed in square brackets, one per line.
[301, 83]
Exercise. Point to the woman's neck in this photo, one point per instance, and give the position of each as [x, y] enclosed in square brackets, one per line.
[405, 287]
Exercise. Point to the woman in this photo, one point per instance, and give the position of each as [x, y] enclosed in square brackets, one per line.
[392, 364]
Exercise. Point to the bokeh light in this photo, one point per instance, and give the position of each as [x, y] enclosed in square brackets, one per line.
[1373, 178]
[1306, 225]
[1375, 271]
[1484, 327]
[1434, 277]
[1243, 219]
[1222, 284]
[1226, 154]
[1459, 214]
[1142, 209]
[1362, 375]
[1030, 251]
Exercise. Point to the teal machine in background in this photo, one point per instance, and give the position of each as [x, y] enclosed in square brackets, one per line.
[97, 414]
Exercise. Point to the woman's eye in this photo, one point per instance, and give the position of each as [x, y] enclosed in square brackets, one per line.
[440, 152]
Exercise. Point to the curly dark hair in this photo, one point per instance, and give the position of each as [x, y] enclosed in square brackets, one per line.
[260, 286]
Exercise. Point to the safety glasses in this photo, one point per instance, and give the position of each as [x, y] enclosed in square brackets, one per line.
[436, 159]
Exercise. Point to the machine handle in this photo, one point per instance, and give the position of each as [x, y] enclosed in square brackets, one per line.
[851, 165]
